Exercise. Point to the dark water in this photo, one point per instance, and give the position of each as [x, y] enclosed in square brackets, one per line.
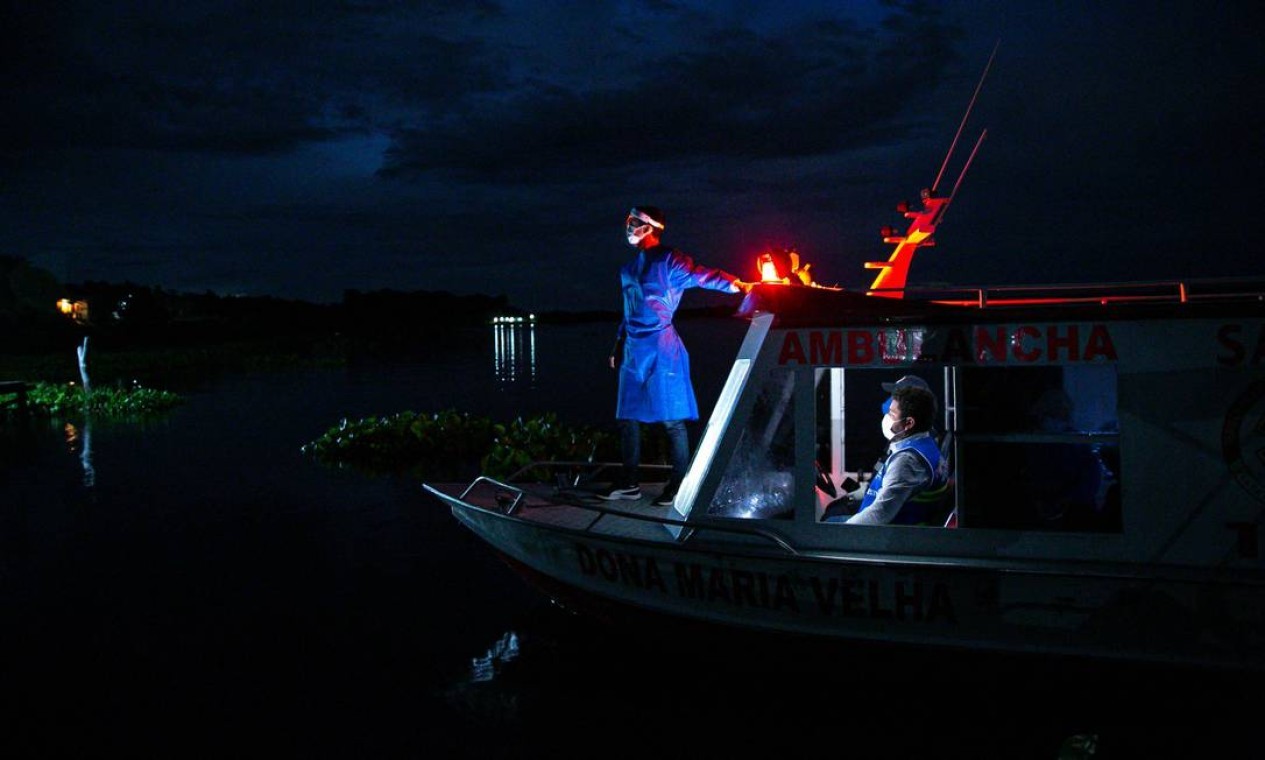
[197, 586]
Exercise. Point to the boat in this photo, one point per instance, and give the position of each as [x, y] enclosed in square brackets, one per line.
[1104, 448]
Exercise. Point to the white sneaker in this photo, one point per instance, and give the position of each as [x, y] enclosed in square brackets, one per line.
[615, 493]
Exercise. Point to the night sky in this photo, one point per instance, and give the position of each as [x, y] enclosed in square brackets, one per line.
[299, 149]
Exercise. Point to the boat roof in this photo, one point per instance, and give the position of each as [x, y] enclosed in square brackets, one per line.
[808, 306]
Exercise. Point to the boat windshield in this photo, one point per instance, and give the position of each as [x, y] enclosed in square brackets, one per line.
[759, 482]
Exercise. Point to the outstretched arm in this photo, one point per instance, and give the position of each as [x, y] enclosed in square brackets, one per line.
[692, 275]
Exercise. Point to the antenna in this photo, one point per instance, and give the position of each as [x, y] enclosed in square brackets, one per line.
[890, 280]
[953, 145]
[962, 174]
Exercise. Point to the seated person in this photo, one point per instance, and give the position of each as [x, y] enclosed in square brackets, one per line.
[910, 467]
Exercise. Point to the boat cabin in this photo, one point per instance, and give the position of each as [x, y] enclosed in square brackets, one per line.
[1084, 423]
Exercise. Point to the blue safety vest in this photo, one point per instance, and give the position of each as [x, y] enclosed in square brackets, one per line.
[913, 511]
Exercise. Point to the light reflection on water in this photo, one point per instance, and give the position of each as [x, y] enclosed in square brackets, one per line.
[514, 352]
[79, 441]
[503, 651]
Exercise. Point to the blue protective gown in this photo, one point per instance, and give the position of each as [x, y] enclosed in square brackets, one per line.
[654, 374]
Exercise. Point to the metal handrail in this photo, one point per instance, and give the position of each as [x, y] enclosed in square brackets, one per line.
[1160, 291]
[595, 466]
[513, 507]
[602, 512]
[694, 527]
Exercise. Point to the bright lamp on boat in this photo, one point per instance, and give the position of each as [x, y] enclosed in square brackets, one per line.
[777, 265]
[767, 268]
[782, 265]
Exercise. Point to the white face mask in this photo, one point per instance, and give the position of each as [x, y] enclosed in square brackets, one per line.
[637, 234]
[889, 427]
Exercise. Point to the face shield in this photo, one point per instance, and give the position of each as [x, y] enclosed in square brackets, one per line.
[638, 225]
[636, 230]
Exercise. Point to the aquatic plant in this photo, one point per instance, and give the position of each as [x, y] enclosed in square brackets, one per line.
[402, 441]
[54, 399]
[452, 444]
[541, 438]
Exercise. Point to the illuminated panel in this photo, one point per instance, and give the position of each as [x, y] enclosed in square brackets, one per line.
[837, 420]
[893, 273]
[890, 281]
[711, 436]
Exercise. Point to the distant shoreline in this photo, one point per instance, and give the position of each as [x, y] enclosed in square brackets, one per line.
[190, 348]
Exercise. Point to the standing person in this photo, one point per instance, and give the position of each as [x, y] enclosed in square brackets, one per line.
[654, 367]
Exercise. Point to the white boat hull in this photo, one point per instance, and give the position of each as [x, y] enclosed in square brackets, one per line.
[911, 600]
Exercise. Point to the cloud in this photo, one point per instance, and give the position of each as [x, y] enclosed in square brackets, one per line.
[466, 87]
[230, 78]
[812, 88]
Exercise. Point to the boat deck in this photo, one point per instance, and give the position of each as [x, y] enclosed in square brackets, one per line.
[575, 508]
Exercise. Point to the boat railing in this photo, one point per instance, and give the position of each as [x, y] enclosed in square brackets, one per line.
[510, 499]
[1164, 291]
[577, 471]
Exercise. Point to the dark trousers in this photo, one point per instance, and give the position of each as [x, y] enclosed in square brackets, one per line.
[630, 444]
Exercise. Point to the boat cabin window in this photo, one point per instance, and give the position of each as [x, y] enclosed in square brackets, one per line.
[1023, 448]
[850, 446]
[758, 481]
[1039, 448]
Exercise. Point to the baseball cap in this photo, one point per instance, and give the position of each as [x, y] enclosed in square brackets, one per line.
[906, 382]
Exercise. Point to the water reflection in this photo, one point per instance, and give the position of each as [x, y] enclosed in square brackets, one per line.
[514, 349]
[79, 441]
[504, 650]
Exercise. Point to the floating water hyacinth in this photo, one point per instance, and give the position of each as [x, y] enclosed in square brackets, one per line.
[54, 399]
[453, 444]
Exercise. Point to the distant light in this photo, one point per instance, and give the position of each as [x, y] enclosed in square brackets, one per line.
[508, 320]
[76, 310]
